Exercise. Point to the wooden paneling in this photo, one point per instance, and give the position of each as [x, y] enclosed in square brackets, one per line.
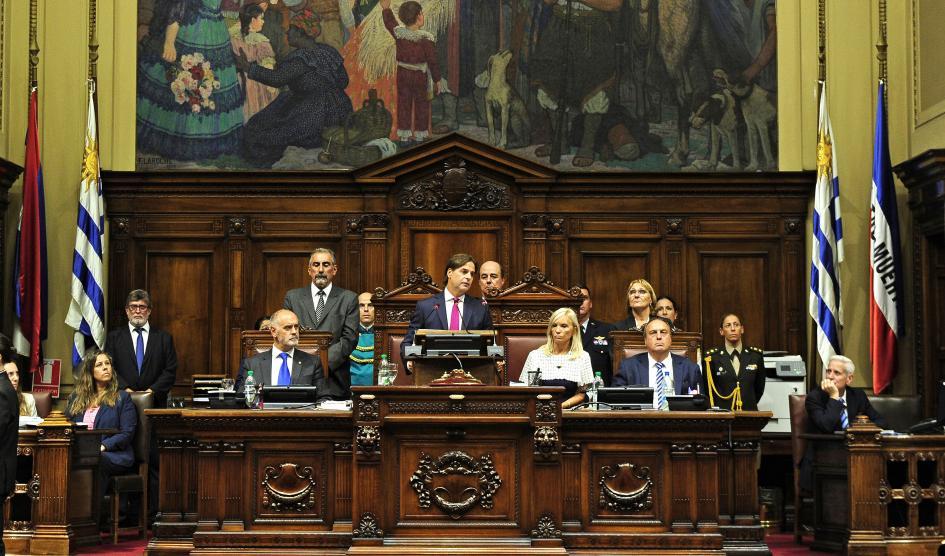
[715, 242]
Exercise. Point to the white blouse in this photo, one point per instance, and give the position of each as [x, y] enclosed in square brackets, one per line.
[551, 367]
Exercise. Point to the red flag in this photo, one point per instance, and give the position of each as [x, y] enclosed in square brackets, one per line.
[29, 274]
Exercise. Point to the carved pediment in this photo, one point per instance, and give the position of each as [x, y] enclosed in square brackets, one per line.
[455, 188]
[418, 282]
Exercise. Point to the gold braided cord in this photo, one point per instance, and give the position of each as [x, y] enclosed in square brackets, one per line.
[714, 392]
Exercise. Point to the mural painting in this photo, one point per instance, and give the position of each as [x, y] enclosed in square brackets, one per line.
[590, 85]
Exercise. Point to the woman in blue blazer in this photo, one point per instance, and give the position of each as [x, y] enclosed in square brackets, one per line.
[97, 402]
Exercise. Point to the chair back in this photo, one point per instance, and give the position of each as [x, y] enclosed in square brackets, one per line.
[517, 349]
[43, 403]
[627, 343]
[312, 342]
[798, 426]
[142, 401]
[901, 412]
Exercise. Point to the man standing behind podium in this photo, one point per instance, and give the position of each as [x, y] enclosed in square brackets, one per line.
[658, 366]
[324, 306]
[283, 365]
[452, 309]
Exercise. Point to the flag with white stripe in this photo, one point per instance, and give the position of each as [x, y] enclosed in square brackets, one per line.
[886, 322]
[827, 253]
[87, 308]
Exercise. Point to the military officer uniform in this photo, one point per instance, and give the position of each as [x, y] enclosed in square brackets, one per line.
[748, 372]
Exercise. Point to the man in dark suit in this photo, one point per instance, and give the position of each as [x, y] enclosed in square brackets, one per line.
[452, 309]
[645, 368]
[595, 336]
[283, 364]
[144, 356]
[491, 276]
[732, 364]
[9, 430]
[835, 405]
[324, 306]
[146, 361]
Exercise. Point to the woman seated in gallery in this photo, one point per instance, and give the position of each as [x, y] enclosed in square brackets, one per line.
[562, 361]
[98, 403]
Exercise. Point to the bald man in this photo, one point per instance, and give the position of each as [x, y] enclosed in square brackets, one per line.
[491, 276]
[283, 364]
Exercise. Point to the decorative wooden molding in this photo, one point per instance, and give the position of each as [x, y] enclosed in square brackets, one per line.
[289, 487]
[367, 527]
[546, 528]
[455, 462]
[614, 482]
[455, 188]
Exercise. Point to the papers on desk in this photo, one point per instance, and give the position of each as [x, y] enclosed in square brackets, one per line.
[333, 405]
[29, 421]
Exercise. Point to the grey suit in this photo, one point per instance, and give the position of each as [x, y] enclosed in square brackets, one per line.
[341, 319]
[306, 371]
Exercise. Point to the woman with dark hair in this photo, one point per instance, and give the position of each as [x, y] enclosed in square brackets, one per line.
[313, 79]
[9, 425]
[26, 402]
[246, 37]
[98, 403]
[640, 309]
[667, 307]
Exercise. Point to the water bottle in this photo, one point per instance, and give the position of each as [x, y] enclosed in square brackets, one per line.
[251, 391]
[592, 391]
[386, 372]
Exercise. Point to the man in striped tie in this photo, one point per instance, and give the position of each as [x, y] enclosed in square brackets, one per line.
[835, 405]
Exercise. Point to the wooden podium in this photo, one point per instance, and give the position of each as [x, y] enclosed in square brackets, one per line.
[429, 368]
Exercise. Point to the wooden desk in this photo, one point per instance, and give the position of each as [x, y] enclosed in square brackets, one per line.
[53, 510]
[878, 494]
[490, 469]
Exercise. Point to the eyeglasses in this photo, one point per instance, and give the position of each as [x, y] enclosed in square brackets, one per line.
[139, 308]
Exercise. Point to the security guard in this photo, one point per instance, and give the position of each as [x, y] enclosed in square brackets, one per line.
[733, 364]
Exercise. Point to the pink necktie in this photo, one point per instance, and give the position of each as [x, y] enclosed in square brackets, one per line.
[455, 317]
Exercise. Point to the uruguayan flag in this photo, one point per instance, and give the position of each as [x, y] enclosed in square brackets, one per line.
[827, 253]
[87, 308]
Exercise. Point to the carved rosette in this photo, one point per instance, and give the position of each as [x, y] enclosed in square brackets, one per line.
[546, 528]
[885, 494]
[626, 488]
[367, 527]
[546, 410]
[426, 481]
[455, 188]
[24, 451]
[357, 224]
[897, 531]
[121, 227]
[912, 493]
[546, 442]
[32, 487]
[237, 225]
[368, 410]
[288, 488]
[20, 525]
[938, 491]
[674, 225]
[792, 225]
[554, 226]
[368, 440]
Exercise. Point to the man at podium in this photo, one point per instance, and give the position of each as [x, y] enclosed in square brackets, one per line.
[452, 309]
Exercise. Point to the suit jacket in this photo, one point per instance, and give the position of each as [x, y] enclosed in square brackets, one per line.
[341, 319]
[824, 412]
[596, 340]
[159, 368]
[9, 434]
[636, 371]
[431, 313]
[750, 378]
[119, 447]
[306, 370]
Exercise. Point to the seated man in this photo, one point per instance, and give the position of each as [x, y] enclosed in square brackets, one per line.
[835, 405]
[658, 367]
[452, 309]
[282, 364]
[491, 276]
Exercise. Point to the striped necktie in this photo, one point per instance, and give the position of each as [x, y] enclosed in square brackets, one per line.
[661, 403]
[844, 418]
[320, 308]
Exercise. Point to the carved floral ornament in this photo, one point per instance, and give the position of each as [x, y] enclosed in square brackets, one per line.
[288, 487]
[430, 481]
[455, 188]
[626, 488]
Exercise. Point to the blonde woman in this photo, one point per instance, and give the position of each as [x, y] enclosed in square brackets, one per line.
[640, 306]
[562, 361]
[26, 401]
[97, 403]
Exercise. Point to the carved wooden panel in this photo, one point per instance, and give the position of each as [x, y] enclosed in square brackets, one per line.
[429, 242]
[607, 266]
[627, 485]
[289, 486]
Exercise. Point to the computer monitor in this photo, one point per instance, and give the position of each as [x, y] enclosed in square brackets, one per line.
[625, 397]
[289, 397]
[460, 344]
[692, 402]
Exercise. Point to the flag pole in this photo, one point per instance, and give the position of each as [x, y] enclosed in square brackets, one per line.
[34, 47]
[93, 40]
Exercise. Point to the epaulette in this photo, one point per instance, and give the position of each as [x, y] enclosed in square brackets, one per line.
[756, 350]
[712, 351]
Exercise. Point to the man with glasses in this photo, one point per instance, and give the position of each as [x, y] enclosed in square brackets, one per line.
[144, 356]
[323, 306]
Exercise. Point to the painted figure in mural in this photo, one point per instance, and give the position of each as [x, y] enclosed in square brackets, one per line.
[418, 72]
[315, 77]
[189, 98]
[573, 64]
[336, 20]
[247, 38]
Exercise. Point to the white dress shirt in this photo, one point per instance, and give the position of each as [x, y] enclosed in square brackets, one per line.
[667, 375]
[277, 364]
[145, 331]
[315, 291]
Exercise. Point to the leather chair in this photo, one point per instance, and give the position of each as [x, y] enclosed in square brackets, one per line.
[517, 349]
[312, 342]
[799, 426]
[43, 403]
[138, 481]
[901, 412]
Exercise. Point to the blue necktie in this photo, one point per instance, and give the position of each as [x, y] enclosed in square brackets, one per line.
[285, 378]
[661, 402]
[844, 419]
[139, 348]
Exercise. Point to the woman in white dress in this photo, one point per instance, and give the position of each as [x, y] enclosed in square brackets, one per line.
[562, 361]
